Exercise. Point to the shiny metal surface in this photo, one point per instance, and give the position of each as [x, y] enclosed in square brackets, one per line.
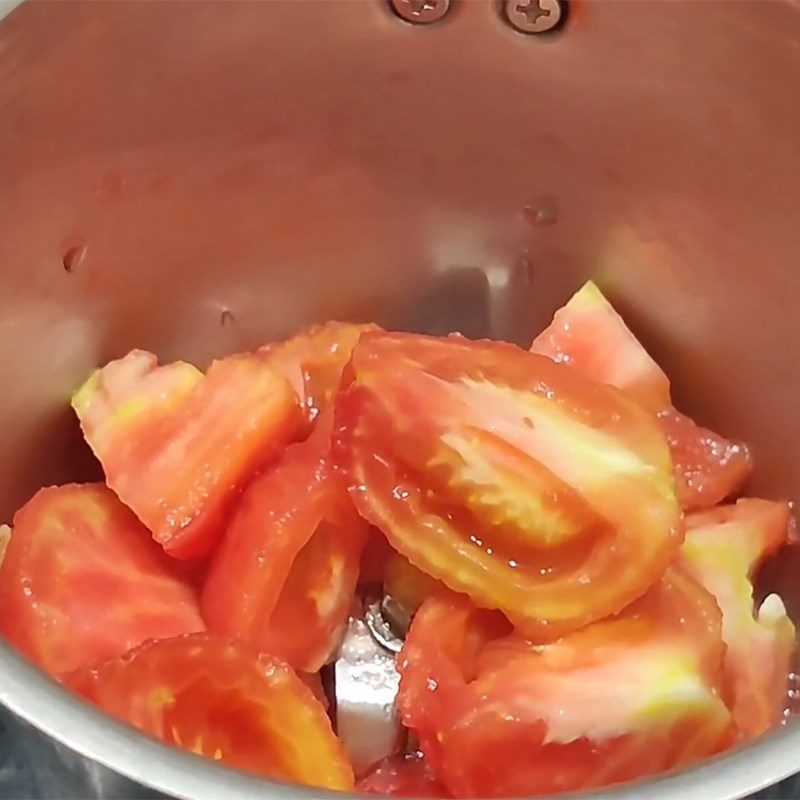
[533, 16]
[188, 179]
[420, 12]
[366, 684]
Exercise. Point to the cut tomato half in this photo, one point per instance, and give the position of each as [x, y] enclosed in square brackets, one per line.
[312, 361]
[589, 335]
[724, 547]
[223, 701]
[625, 697]
[507, 477]
[284, 576]
[83, 581]
[177, 446]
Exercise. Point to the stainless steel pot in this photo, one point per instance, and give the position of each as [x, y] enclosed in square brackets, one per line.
[193, 178]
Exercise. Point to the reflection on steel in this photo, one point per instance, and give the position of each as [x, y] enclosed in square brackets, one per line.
[366, 686]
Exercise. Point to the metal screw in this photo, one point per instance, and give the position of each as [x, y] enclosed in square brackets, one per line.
[420, 11]
[533, 16]
[387, 623]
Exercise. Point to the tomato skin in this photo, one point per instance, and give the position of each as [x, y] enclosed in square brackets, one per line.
[507, 477]
[284, 575]
[313, 361]
[723, 549]
[588, 335]
[176, 446]
[402, 776]
[221, 700]
[622, 698]
[83, 581]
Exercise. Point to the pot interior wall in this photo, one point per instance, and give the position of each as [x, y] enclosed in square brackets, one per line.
[193, 178]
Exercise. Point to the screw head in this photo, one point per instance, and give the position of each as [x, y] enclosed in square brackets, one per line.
[420, 12]
[533, 16]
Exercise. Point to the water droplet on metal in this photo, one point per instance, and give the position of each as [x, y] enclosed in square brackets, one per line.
[542, 213]
[525, 270]
[73, 257]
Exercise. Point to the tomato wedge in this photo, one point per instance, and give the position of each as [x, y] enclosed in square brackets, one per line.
[708, 467]
[177, 446]
[625, 697]
[402, 776]
[589, 335]
[284, 576]
[508, 477]
[312, 361]
[407, 584]
[374, 558]
[223, 701]
[724, 547]
[83, 581]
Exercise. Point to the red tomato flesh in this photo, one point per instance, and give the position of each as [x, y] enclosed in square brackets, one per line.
[409, 585]
[625, 697]
[284, 576]
[402, 776]
[708, 467]
[312, 361]
[508, 477]
[723, 549]
[589, 335]
[82, 581]
[177, 446]
[221, 700]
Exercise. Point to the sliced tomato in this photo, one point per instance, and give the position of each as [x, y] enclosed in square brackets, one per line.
[625, 697]
[507, 477]
[723, 549]
[314, 682]
[83, 581]
[284, 576]
[312, 361]
[708, 467]
[407, 584]
[223, 701]
[402, 776]
[588, 334]
[374, 558]
[177, 446]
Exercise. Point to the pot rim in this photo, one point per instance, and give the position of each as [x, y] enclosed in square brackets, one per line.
[39, 700]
